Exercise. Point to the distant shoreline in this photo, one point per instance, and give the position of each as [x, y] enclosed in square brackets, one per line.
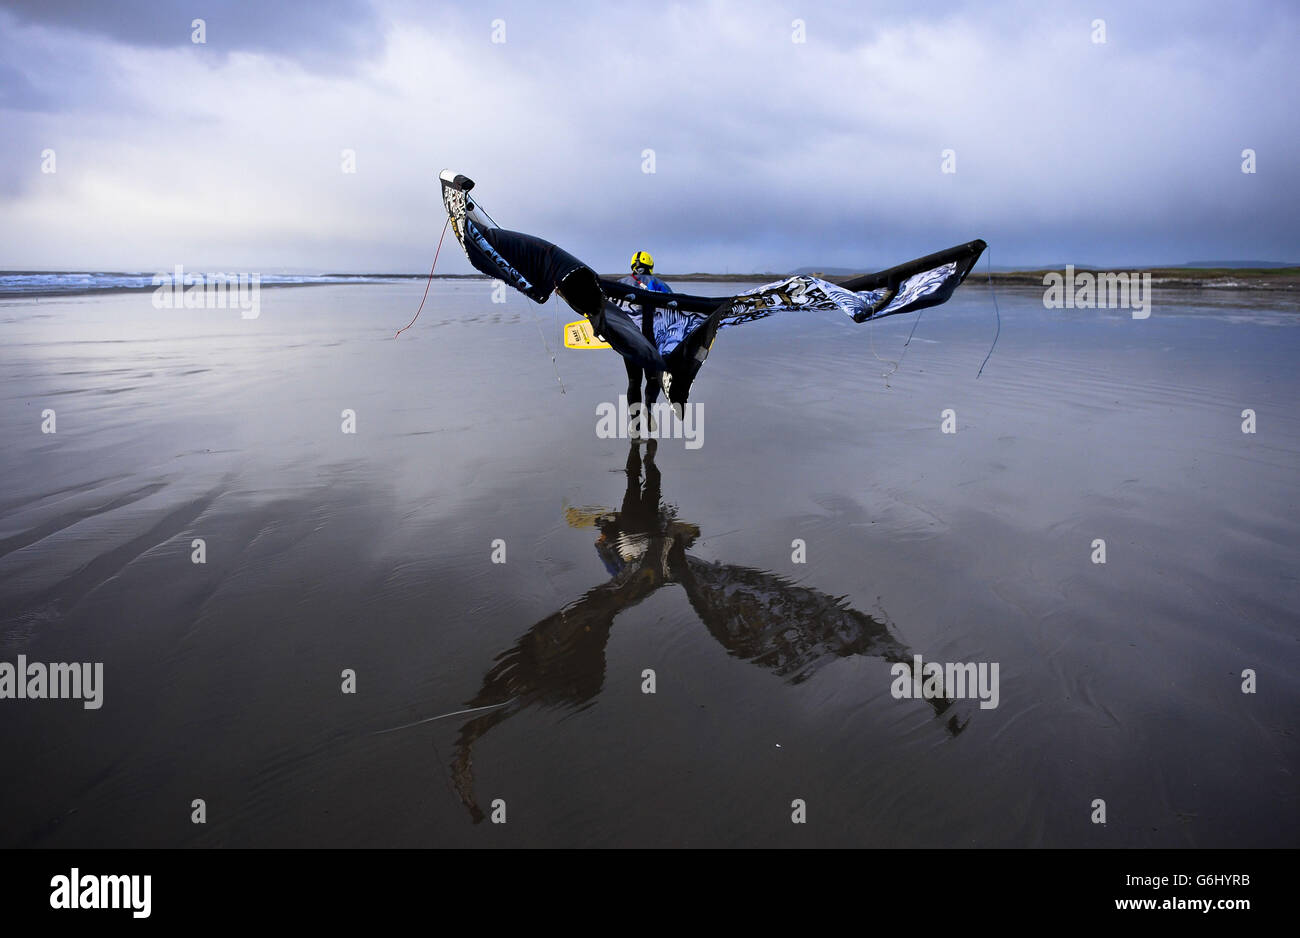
[1187, 278]
[1285, 279]
[1270, 278]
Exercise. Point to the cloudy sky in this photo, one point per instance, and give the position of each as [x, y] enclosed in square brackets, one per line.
[768, 153]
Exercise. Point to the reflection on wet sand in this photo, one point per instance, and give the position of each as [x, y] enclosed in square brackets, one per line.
[790, 630]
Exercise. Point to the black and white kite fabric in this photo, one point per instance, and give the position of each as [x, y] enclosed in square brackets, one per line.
[685, 324]
[933, 286]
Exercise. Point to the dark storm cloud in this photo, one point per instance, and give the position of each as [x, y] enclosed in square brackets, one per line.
[316, 33]
[769, 153]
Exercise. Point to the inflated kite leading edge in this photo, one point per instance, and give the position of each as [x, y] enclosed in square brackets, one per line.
[537, 268]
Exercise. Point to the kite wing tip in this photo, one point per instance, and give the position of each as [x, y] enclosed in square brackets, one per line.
[456, 180]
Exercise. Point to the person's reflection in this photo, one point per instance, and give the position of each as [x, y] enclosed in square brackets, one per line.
[790, 630]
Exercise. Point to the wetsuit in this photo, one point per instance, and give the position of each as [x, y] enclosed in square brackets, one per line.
[647, 317]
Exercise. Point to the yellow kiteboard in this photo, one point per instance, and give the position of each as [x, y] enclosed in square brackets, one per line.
[580, 335]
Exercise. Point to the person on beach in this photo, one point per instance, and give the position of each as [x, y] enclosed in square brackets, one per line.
[640, 415]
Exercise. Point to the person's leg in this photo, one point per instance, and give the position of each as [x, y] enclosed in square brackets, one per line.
[635, 409]
[652, 388]
[633, 382]
[652, 382]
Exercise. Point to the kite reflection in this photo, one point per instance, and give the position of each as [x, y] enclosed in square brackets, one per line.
[760, 617]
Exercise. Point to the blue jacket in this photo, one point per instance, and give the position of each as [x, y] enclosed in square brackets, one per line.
[647, 282]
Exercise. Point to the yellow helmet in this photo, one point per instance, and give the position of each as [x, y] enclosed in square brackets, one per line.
[643, 259]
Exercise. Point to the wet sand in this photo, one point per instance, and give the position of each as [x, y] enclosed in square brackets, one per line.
[373, 551]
